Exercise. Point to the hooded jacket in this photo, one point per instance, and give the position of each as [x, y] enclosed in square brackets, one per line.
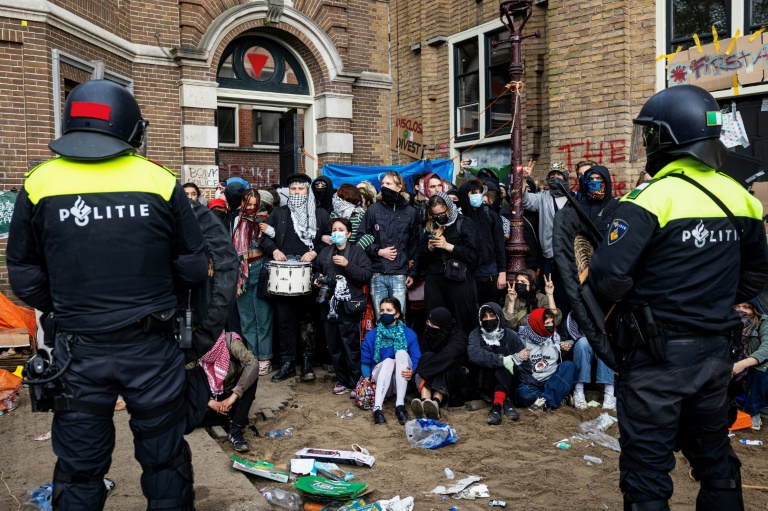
[489, 357]
[599, 211]
[326, 202]
[543, 358]
[544, 203]
[392, 225]
[490, 231]
[442, 352]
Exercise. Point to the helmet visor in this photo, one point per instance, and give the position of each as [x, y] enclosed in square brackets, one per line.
[646, 139]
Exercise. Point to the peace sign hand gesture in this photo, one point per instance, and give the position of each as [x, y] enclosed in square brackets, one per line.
[549, 287]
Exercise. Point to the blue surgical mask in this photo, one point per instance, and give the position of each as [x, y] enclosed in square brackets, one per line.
[338, 238]
[475, 200]
[387, 319]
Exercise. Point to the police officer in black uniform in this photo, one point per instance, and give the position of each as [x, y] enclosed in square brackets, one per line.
[678, 261]
[98, 238]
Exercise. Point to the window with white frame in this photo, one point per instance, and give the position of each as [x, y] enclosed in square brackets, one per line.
[684, 18]
[480, 77]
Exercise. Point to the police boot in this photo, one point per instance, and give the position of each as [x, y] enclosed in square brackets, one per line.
[307, 374]
[287, 370]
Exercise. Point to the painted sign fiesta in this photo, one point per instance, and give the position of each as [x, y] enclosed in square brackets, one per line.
[737, 62]
[407, 137]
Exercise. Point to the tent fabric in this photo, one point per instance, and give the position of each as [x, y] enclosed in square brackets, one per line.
[353, 174]
[13, 316]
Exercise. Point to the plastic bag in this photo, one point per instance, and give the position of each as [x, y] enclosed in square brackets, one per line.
[9, 400]
[429, 434]
[40, 498]
[365, 392]
[595, 430]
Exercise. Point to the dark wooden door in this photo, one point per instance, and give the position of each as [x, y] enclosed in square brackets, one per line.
[289, 144]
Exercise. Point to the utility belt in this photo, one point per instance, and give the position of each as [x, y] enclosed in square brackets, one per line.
[638, 329]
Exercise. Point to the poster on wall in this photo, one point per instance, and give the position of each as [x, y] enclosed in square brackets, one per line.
[496, 157]
[7, 200]
[408, 137]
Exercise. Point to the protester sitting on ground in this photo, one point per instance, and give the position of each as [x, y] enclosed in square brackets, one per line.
[750, 369]
[583, 356]
[496, 350]
[523, 297]
[440, 370]
[368, 191]
[448, 253]
[390, 349]
[233, 374]
[550, 378]
[349, 269]
[394, 225]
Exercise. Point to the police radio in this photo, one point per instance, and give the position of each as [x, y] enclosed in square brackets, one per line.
[185, 327]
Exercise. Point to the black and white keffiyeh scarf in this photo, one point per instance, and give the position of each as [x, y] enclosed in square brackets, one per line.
[303, 215]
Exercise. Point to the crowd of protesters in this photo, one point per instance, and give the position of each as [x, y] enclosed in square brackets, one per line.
[415, 293]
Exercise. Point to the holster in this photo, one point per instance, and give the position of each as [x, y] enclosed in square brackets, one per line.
[161, 322]
[49, 329]
[637, 328]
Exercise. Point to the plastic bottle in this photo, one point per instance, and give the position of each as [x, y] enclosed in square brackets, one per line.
[751, 442]
[596, 461]
[281, 498]
[279, 433]
[449, 473]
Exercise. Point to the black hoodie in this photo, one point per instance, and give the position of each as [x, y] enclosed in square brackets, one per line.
[599, 211]
[325, 200]
[490, 231]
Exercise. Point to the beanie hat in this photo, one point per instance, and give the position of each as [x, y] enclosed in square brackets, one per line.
[267, 197]
[441, 318]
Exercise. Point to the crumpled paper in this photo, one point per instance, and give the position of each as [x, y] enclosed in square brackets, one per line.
[397, 504]
[456, 487]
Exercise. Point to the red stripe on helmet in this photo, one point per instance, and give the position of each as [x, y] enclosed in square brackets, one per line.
[91, 110]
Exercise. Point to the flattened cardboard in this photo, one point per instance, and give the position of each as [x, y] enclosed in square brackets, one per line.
[751, 72]
[14, 337]
[334, 456]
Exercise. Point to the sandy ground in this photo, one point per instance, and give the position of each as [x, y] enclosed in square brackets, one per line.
[516, 460]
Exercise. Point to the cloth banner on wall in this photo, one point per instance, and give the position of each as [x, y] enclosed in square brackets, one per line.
[7, 201]
[353, 174]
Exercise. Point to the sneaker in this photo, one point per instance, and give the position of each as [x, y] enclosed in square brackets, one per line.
[509, 411]
[568, 400]
[339, 389]
[265, 367]
[609, 402]
[431, 409]
[494, 417]
[378, 417]
[538, 405]
[756, 422]
[402, 415]
[579, 401]
[238, 440]
[417, 407]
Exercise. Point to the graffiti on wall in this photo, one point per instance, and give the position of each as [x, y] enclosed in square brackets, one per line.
[255, 175]
[602, 152]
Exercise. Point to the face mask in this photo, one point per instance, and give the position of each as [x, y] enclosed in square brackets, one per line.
[746, 316]
[389, 196]
[489, 325]
[442, 219]
[553, 188]
[387, 319]
[521, 289]
[320, 193]
[421, 189]
[475, 200]
[550, 329]
[338, 238]
[596, 189]
[431, 332]
[221, 215]
[296, 200]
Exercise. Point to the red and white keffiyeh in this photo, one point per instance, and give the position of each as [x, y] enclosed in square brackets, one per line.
[215, 363]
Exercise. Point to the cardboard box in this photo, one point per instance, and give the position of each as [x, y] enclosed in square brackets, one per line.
[15, 337]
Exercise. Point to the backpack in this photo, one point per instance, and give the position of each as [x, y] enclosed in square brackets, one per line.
[212, 299]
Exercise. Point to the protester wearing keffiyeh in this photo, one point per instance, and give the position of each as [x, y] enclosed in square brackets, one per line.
[215, 363]
[453, 212]
[302, 209]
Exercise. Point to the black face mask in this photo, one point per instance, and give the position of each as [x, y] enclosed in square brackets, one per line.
[221, 215]
[489, 325]
[390, 196]
[550, 329]
[320, 193]
[522, 289]
[431, 331]
[442, 219]
[553, 188]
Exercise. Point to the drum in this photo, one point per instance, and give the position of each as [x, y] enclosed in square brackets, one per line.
[289, 278]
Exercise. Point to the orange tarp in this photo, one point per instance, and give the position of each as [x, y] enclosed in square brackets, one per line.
[13, 316]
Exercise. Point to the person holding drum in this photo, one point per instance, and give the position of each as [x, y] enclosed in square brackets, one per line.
[343, 303]
[299, 229]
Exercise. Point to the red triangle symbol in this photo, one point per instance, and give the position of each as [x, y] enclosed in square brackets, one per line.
[257, 62]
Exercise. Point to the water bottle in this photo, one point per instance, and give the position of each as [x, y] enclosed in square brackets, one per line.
[751, 442]
[279, 433]
[281, 498]
[592, 459]
[449, 473]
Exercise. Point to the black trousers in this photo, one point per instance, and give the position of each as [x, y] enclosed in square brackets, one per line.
[487, 290]
[148, 371]
[238, 414]
[458, 297]
[343, 338]
[680, 403]
[496, 379]
[288, 312]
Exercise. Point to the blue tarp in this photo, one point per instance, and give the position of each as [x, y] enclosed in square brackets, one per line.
[353, 174]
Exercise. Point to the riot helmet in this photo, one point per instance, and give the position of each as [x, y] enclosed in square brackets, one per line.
[101, 120]
[680, 121]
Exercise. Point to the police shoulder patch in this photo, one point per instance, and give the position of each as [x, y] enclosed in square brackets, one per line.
[617, 231]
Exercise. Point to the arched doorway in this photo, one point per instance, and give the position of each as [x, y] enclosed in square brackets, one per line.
[264, 110]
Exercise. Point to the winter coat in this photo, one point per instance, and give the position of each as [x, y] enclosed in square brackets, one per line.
[544, 203]
[487, 356]
[369, 346]
[465, 247]
[358, 270]
[396, 226]
[490, 232]
[599, 211]
[449, 351]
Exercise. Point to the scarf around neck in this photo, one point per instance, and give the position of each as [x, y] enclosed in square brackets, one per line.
[302, 209]
[389, 337]
[246, 234]
[215, 363]
[529, 334]
[747, 327]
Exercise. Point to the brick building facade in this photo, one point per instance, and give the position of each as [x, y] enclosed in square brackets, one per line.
[215, 78]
